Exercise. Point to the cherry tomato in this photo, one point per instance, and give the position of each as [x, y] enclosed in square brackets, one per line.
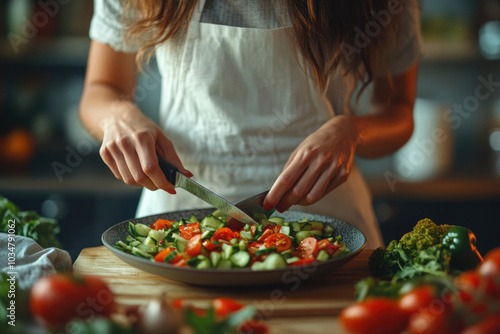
[209, 245]
[59, 298]
[224, 233]
[308, 247]
[224, 306]
[491, 264]
[194, 246]
[374, 316]
[252, 327]
[302, 262]
[265, 235]
[490, 325]
[162, 224]
[433, 320]
[190, 230]
[417, 299]
[470, 283]
[281, 241]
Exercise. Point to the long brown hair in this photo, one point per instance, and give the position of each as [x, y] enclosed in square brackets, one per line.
[326, 32]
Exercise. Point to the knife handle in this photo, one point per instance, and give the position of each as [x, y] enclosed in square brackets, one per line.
[168, 169]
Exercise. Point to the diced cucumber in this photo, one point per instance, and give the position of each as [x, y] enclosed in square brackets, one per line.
[240, 259]
[306, 227]
[131, 229]
[304, 234]
[287, 252]
[246, 227]
[295, 226]
[242, 245]
[150, 242]
[204, 264]
[277, 220]
[142, 229]
[157, 235]
[193, 219]
[141, 239]
[263, 251]
[292, 260]
[207, 234]
[146, 248]
[212, 221]
[274, 261]
[328, 230]
[134, 243]
[285, 230]
[139, 252]
[234, 241]
[247, 235]
[129, 238]
[322, 256]
[227, 251]
[123, 245]
[193, 262]
[257, 266]
[316, 225]
[215, 258]
[180, 243]
[184, 222]
[266, 222]
[225, 264]
[170, 256]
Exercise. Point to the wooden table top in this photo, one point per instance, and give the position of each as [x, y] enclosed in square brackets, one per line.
[303, 306]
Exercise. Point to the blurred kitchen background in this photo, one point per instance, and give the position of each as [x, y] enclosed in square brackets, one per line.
[449, 171]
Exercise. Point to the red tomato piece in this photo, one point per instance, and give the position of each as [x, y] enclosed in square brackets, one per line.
[374, 316]
[490, 325]
[308, 247]
[237, 235]
[160, 257]
[224, 306]
[253, 247]
[281, 241]
[162, 224]
[253, 228]
[302, 262]
[190, 230]
[194, 246]
[224, 233]
[324, 244]
[252, 327]
[209, 245]
[264, 235]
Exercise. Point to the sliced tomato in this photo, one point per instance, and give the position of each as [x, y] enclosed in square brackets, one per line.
[302, 262]
[253, 247]
[264, 235]
[180, 263]
[209, 245]
[224, 233]
[190, 230]
[160, 257]
[224, 306]
[253, 228]
[332, 249]
[194, 246]
[308, 247]
[162, 224]
[252, 327]
[281, 241]
[324, 244]
[237, 235]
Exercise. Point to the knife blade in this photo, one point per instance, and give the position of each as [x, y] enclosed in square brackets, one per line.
[179, 180]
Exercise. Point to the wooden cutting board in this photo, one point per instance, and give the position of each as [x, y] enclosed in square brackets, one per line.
[322, 296]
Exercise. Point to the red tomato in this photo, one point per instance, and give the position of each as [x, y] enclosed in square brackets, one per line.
[324, 244]
[430, 320]
[59, 298]
[281, 241]
[252, 327]
[237, 235]
[491, 264]
[160, 257]
[264, 235]
[417, 299]
[332, 249]
[224, 233]
[162, 224]
[308, 247]
[194, 246]
[190, 230]
[490, 325]
[209, 245]
[302, 262]
[224, 306]
[253, 247]
[253, 228]
[471, 283]
[374, 316]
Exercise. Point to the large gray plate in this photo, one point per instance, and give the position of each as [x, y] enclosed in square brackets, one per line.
[353, 238]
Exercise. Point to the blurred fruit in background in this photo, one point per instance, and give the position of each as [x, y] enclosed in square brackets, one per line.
[17, 149]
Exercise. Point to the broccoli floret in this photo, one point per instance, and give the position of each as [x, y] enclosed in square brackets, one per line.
[425, 234]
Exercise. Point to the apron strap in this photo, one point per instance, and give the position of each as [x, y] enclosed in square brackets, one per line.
[194, 25]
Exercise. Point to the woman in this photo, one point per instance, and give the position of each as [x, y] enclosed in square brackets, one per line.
[255, 95]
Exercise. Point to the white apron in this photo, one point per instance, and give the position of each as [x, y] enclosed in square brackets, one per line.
[235, 103]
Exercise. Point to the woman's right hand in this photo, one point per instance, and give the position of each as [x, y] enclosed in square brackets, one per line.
[129, 146]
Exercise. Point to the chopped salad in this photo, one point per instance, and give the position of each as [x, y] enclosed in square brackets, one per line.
[209, 243]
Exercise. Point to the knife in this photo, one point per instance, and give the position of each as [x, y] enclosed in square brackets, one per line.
[179, 180]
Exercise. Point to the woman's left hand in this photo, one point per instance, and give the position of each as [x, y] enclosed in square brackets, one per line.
[318, 165]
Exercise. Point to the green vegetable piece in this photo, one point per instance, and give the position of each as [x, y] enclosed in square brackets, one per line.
[462, 244]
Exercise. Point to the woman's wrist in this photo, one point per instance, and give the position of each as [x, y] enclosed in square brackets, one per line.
[347, 126]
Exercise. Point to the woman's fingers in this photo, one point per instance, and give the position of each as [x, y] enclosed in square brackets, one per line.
[166, 150]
